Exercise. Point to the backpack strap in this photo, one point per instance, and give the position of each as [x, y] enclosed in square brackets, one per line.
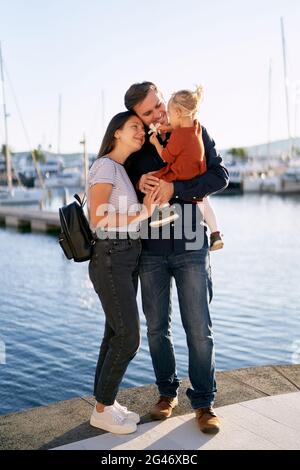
[81, 201]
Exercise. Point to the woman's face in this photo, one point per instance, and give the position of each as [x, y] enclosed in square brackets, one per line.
[132, 134]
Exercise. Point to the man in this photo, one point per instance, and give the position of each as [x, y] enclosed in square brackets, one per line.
[175, 257]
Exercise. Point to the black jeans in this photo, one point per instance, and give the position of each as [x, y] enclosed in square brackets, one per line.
[113, 271]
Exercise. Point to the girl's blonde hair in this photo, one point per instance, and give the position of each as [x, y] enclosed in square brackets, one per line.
[187, 100]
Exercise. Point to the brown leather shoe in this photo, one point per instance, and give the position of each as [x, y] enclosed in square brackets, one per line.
[207, 420]
[164, 407]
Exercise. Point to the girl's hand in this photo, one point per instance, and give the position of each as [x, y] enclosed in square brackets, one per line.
[154, 140]
[163, 128]
[154, 128]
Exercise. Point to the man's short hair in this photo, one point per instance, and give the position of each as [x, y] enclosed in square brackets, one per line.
[137, 93]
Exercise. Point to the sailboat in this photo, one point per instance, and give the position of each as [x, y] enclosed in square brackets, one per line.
[14, 195]
[290, 179]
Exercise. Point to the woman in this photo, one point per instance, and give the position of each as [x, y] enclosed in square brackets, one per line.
[115, 217]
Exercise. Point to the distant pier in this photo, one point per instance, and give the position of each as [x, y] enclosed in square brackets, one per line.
[32, 219]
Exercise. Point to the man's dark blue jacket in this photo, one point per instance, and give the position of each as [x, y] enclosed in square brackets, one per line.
[185, 192]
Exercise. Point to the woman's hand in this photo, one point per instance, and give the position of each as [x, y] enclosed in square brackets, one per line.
[150, 201]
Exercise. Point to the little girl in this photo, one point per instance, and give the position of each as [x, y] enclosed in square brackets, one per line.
[185, 156]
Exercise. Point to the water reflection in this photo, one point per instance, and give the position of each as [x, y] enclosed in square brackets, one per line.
[52, 322]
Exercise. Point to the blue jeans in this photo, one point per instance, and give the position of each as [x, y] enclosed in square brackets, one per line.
[113, 271]
[191, 271]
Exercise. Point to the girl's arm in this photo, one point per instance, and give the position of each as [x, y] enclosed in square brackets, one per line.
[154, 141]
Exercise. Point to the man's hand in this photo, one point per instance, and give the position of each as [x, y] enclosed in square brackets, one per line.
[148, 182]
[166, 191]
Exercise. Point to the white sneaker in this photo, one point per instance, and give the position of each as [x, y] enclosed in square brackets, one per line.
[112, 420]
[127, 414]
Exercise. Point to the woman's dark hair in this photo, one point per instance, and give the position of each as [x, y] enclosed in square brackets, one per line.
[117, 122]
[137, 93]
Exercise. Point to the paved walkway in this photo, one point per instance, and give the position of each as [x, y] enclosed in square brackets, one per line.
[66, 422]
[266, 423]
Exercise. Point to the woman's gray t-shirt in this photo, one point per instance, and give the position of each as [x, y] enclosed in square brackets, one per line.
[123, 197]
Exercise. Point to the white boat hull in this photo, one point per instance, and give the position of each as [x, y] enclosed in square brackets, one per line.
[20, 196]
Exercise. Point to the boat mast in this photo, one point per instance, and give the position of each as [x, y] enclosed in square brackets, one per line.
[297, 98]
[103, 112]
[286, 87]
[85, 163]
[269, 110]
[59, 125]
[7, 155]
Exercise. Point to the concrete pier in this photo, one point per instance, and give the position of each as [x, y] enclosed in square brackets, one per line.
[67, 422]
[36, 220]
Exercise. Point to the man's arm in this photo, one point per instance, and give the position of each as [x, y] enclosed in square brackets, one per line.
[213, 180]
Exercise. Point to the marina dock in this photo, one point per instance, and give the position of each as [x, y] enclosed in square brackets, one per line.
[31, 219]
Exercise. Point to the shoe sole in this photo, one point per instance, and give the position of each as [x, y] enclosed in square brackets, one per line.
[135, 420]
[161, 223]
[217, 246]
[210, 430]
[110, 428]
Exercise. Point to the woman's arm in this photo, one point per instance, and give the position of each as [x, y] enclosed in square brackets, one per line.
[99, 215]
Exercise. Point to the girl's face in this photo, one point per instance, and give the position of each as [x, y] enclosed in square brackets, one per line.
[132, 134]
[174, 115]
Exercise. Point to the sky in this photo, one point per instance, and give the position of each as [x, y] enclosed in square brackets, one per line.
[91, 51]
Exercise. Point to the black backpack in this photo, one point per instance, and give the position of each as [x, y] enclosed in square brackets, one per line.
[76, 238]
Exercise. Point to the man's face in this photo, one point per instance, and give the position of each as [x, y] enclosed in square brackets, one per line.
[152, 109]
